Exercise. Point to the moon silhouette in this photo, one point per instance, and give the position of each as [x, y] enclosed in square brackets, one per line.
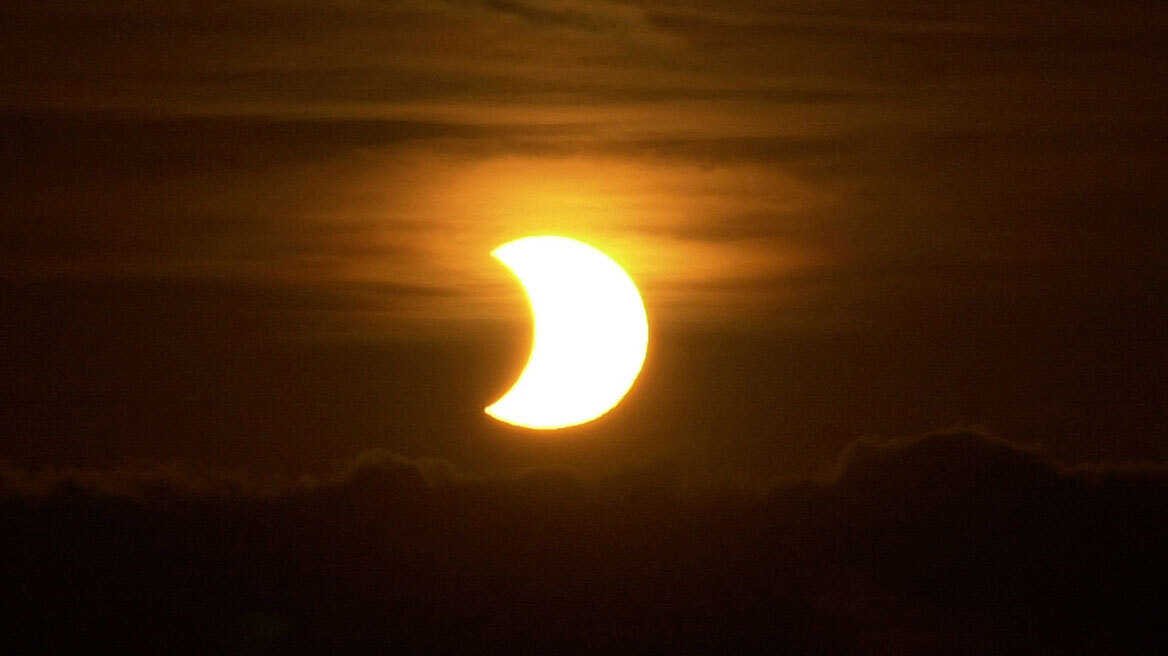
[590, 338]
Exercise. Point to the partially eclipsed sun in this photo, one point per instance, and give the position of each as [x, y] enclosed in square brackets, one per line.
[590, 334]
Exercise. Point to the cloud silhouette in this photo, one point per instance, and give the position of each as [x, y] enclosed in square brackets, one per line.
[956, 541]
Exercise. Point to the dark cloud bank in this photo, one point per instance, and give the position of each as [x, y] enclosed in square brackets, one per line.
[954, 542]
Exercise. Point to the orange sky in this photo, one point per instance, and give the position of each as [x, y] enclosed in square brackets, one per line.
[844, 217]
[736, 159]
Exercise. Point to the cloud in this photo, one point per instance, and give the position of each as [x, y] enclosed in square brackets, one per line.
[863, 146]
[957, 541]
[291, 54]
[578, 15]
[961, 459]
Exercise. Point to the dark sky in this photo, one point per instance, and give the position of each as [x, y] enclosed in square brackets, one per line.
[247, 304]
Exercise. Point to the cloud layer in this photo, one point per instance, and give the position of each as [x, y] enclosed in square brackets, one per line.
[955, 542]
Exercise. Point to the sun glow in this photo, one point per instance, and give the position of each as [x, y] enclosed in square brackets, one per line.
[590, 339]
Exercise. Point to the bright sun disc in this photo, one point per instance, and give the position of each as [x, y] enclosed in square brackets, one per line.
[590, 336]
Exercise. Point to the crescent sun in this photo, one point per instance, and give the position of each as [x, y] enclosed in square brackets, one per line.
[590, 333]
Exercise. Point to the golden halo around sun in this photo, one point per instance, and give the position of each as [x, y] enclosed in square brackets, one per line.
[590, 334]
